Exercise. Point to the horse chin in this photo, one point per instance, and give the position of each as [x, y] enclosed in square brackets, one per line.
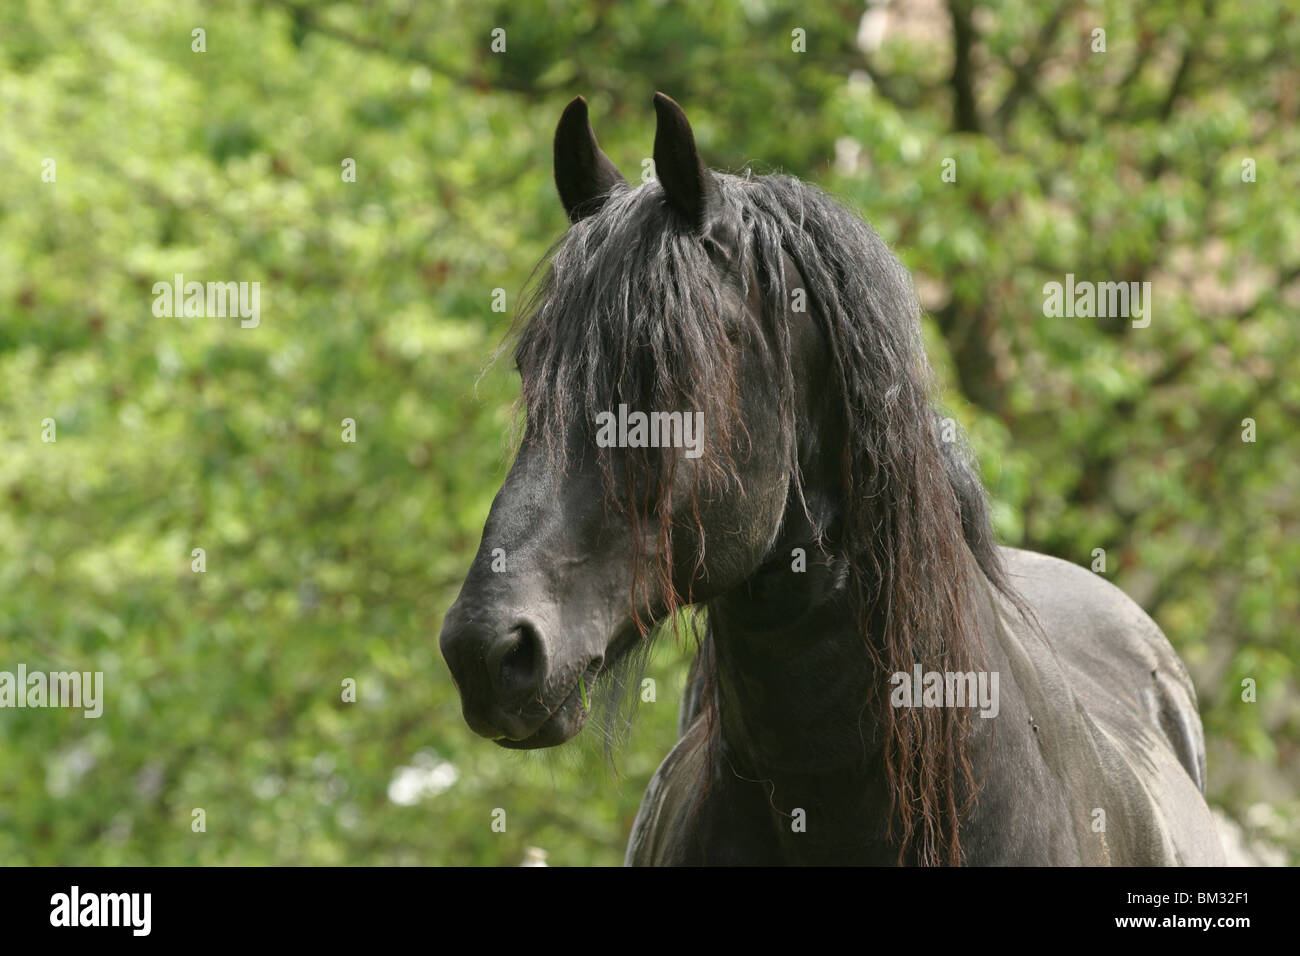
[560, 727]
[565, 721]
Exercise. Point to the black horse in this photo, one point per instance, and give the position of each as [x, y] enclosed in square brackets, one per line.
[877, 681]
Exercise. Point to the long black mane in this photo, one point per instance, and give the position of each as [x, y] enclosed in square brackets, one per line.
[631, 309]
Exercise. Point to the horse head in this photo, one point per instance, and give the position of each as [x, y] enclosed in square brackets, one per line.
[658, 458]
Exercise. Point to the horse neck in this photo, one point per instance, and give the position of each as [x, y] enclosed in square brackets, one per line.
[792, 716]
[796, 712]
[793, 698]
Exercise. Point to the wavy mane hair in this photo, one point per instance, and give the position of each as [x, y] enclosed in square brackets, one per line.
[630, 309]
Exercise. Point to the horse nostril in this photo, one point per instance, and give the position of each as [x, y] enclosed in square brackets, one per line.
[518, 672]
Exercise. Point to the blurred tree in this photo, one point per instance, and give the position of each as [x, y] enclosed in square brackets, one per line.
[1163, 152]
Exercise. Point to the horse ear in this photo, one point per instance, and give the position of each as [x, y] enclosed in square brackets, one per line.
[687, 182]
[583, 174]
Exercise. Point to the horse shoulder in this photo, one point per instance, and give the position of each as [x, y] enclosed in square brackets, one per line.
[696, 813]
[693, 694]
[662, 834]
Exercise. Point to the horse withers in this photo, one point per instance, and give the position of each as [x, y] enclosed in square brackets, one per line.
[877, 681]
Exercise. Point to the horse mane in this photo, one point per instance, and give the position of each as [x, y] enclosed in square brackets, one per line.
[630, 309]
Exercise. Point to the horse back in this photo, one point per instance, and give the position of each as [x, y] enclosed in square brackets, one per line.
[1107, 669]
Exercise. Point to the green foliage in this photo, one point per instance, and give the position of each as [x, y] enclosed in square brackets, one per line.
[329, 560]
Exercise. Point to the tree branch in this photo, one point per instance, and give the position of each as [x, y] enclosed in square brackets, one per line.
[1026, 73]
[966, 118]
